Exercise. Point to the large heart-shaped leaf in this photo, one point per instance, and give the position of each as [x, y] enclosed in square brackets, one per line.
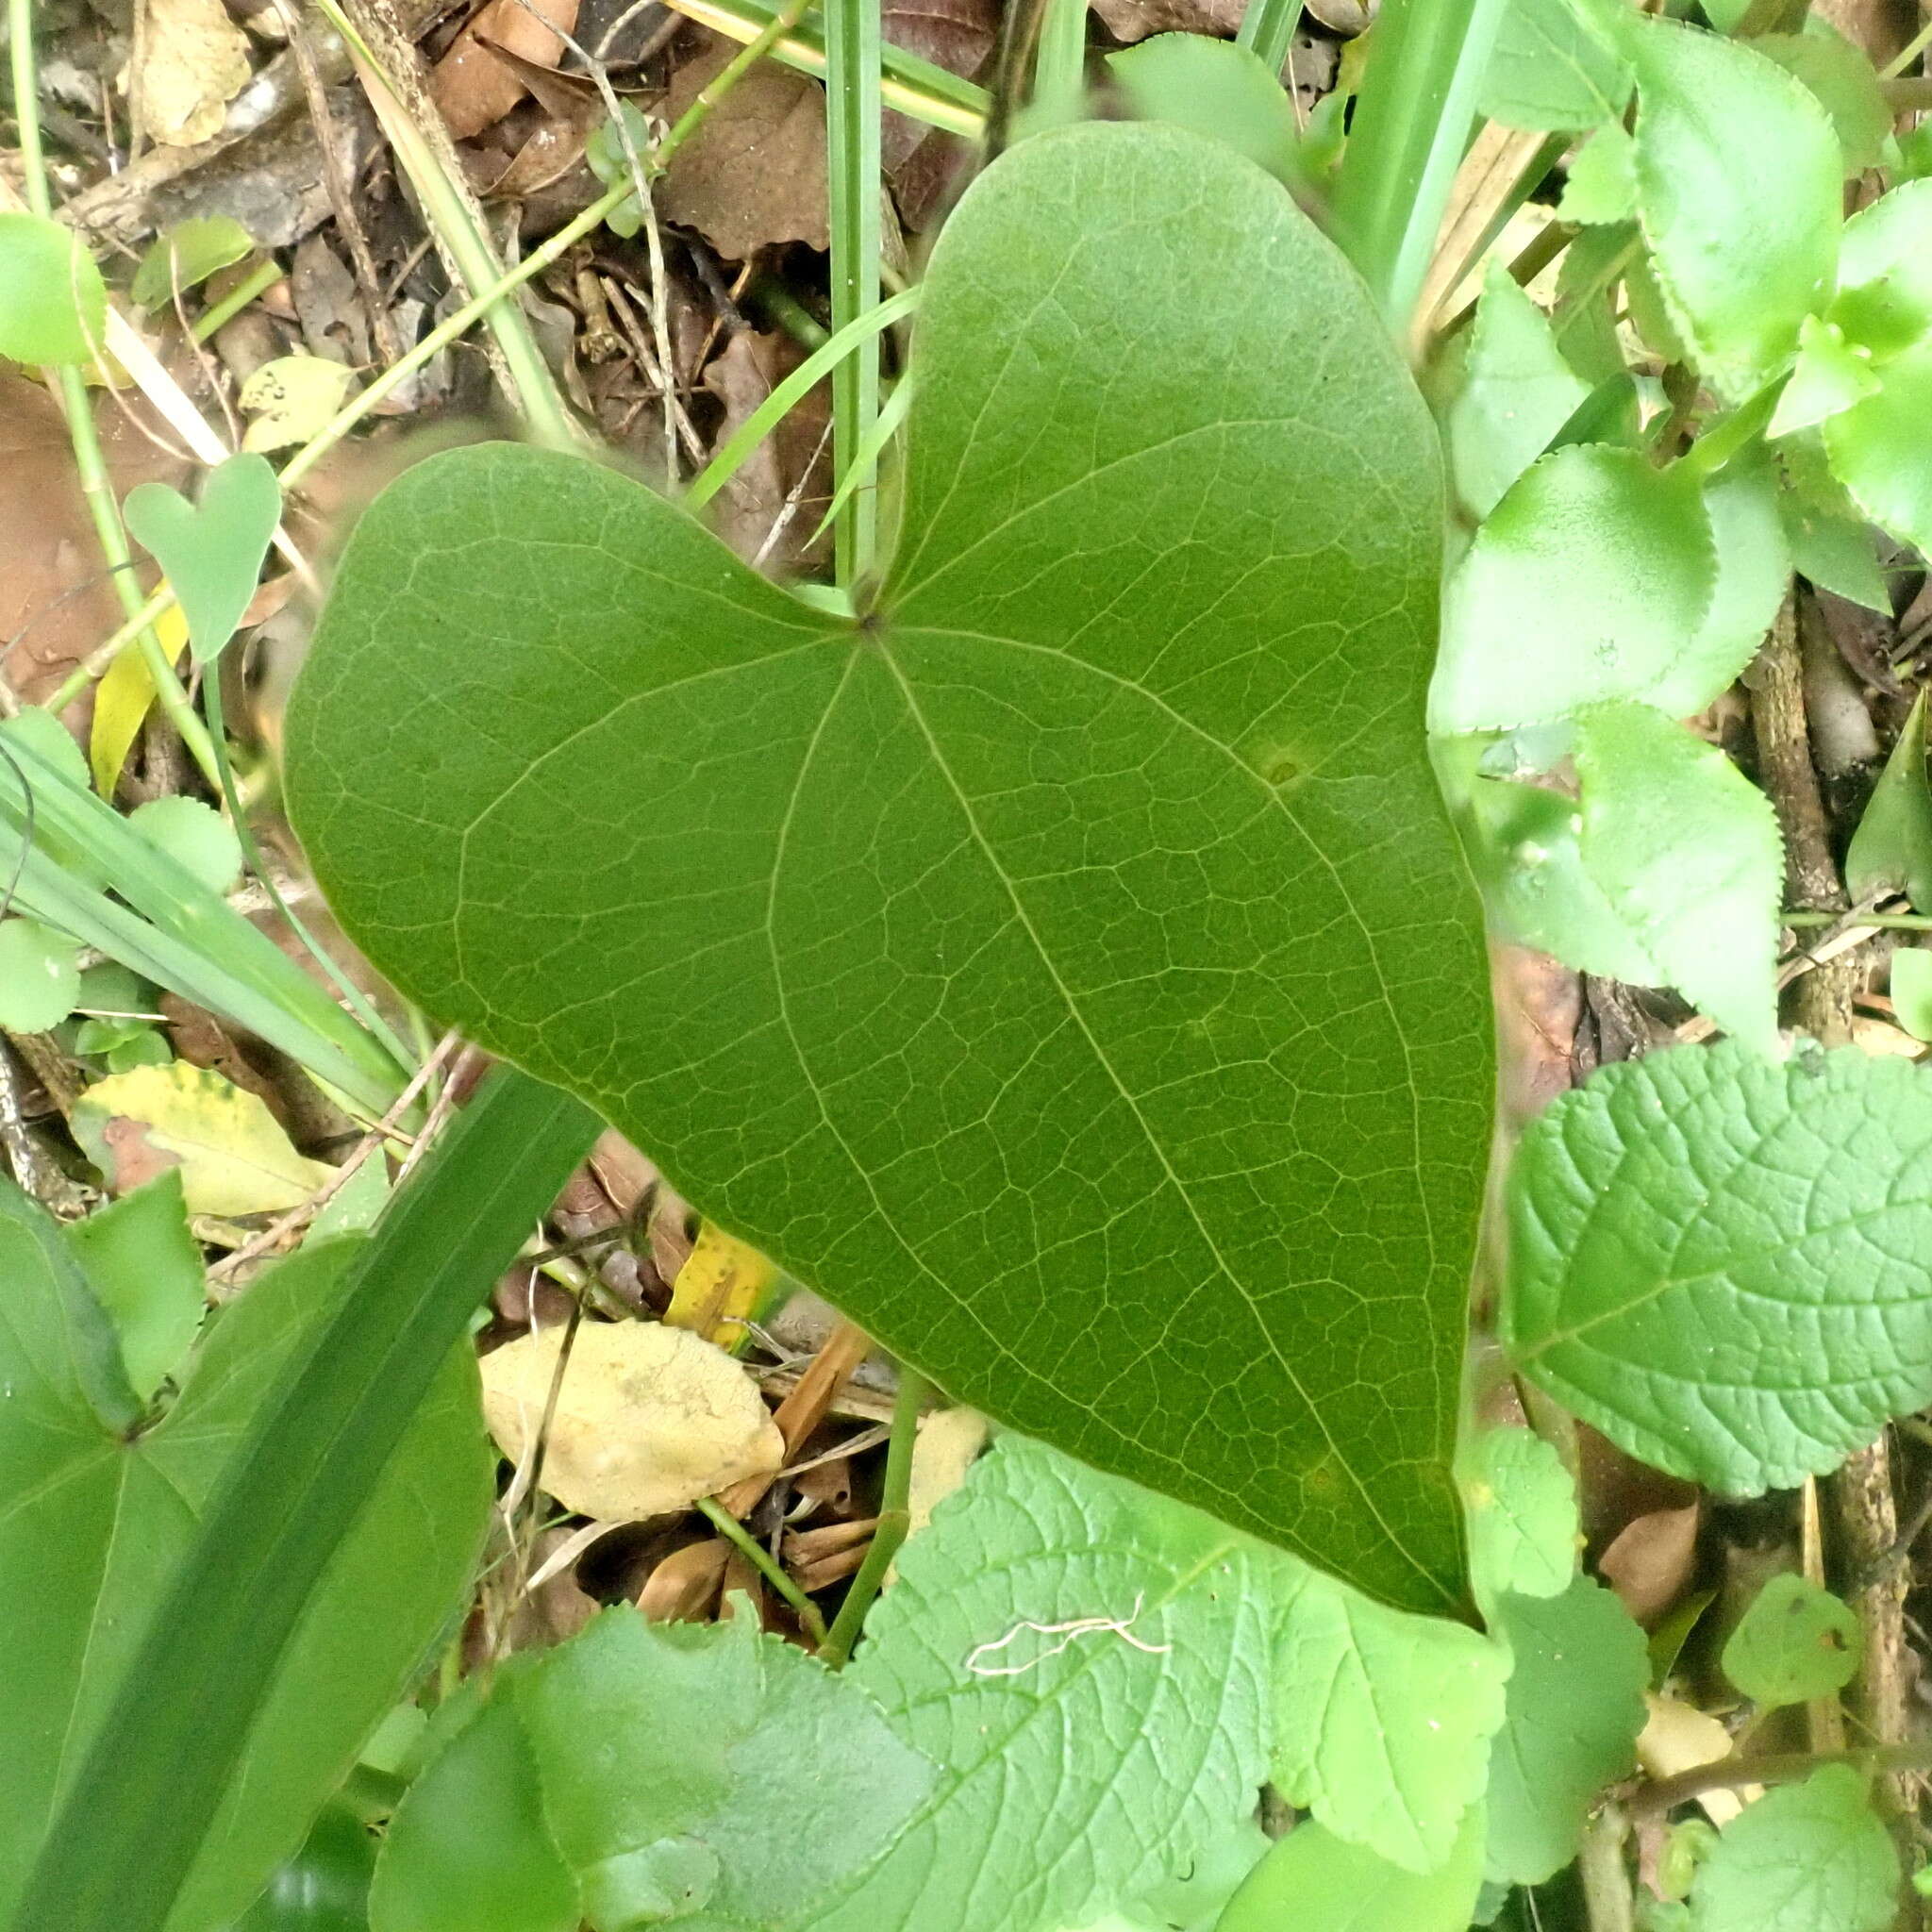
[1067, 967]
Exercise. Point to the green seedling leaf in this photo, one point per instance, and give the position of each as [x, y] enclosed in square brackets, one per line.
[1555, 67]
[1738, 190]
[1809, 1857]
[1711, 1259]
[232, 1154]
[1060, 794]
[53, 303]
[1575, 1703]
[145, 1268]
[1217, 90]
[303, 1474]
[1603, 179]
[1845, 84]
[1911, 991]
[1880, 452]
[1383, 1722]
[605, 153]
[1686, 851]
[325, 1886]
[40, 976]
[213, 555]
[195, 836]
[1891, 850]
[1831, 375]
[1794, 1642]
[101, 1517]
[1517, 392]
[184, 254]
[1523, 1532]
[1586, 584]
[1584, 322]
[1885, 272]
[353, 1207]
[1312, 1877]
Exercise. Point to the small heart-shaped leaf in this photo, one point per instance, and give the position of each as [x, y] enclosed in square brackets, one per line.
[212, 556]
[1066, 968]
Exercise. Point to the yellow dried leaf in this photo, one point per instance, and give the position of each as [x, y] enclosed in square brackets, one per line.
[722, 1286]
[291, 399]
[648, 1420]
[123, 698]
[233, 1155]
[194, 63]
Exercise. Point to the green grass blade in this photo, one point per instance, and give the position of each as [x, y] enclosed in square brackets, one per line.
[852, 141]
[1059, 66]
[1268, 26]
[1410, 128]
[135, 1814]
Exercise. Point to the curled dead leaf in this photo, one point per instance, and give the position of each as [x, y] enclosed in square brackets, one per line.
[648, 1418]
[194, 63]
[471, 87]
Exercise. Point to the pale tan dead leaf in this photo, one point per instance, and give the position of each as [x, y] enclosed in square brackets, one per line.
[948, 1443]
[685, 1584]
[1135, 19]
[1679, 1736]
[1649, 1563]
[194, 61]
[291, 399]
[471, 88]
[648, 1420]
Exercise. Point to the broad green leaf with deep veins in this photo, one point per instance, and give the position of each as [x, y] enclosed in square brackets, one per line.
[1796, 1640]
[1720, 1263]
[1524, 1531]
[1313, 1878]
[97, 1519]
[1555, 66]
[1068, 969]
[1739, 191]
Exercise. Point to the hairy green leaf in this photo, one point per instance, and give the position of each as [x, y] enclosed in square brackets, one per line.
[1575, 1703]
[1314, 1879]
[1885, 272]
[1809, 1857]
[1832, 545]
[1880, 452]
[1602, 187]
[1831, 375]
[1911, 991]
[1845, 84]
[1516, 393]
[1523, 1532]
[1086, 912]
[1585, 584]
[100, 1520]
[1737, 187]
[1556, 65]
[1717, 1261]
[1795, 1642]
[1891, 850]
[53, 303]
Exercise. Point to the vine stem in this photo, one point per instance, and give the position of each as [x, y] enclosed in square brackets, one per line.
[740, 1539]
[895, 1523]
[1649, 1802]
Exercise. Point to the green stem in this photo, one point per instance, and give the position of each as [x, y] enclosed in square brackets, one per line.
[852, 139]
[1783, 1767]
[91, 466]
[735, 1533]
[1729, 434]
[1268, 26]
[1887, 922]
[262, 278]
[1410, 128]
[1060, 64]
[894, 1521]
[1908, 54]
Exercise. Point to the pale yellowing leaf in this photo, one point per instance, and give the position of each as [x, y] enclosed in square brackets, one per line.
[194, 63]
[291, 399]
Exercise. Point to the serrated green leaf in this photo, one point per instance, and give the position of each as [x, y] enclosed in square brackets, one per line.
[1738, 192]
[1515, 395]
[1832, 545]
[1312, 1878]
[1603, 179]
[1714, 1261]
[145, 1268]
[40, 976]
[1831, 375]
[1523, 1532]
[195, 836]
[1891, 850]
[1911, 991]
[1217, 90]
[1587, 583]
[101, 1516]
[1554, 67]
[1686, 851]
[184, 255]
[1584, 322]
[1885, 272]
[53, 303]
[1880, 452]
[1844, 83]
[1809, 1857]
[1793, 1642]
[1383, 1721]
[1057, 872]
[1575, 1706]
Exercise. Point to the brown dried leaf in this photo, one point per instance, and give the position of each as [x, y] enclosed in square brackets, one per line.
[194, 61]
[555, 1609]
[685, 1584]
[753, 173]
[473, 88]
[795, 457]
[1650, 1562]
[1135, 20]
